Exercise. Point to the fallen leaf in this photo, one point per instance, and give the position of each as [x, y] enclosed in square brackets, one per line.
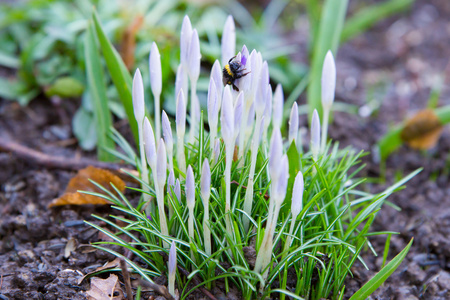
[128, 44]
[423, 130]
[105, 289]
[110, 265]
[70, 246]
[81, 183]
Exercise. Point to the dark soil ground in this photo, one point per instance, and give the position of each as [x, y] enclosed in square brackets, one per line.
[388, 72]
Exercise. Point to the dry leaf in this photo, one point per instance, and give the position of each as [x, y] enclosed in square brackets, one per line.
[110, 265]
[70, 246]
[128, 44]
[105, 289]
[81, 183]
[422, 131]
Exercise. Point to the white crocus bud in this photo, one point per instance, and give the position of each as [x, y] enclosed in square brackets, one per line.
[205, 181]
[172, 269]
[275, 153]
[161, 163]
[180, 120]
[315, 135]
[216, 150]
[194, 57]
[268, 108]
[282, 180]
[297, 195]
[138, 97]
[278, 102]
[149, 144]
[177, 190]
[168, 139]
[227, 117]
[328, 81]
[185, 41]
[216, 76]
[181, 81]
[213, 111]
[171, 183]
[190, 200]
[228, 40]
[156, 85]
[261, 92]
[293, 123]
[238, 110]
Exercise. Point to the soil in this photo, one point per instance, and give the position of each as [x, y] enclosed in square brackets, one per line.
[388, 73]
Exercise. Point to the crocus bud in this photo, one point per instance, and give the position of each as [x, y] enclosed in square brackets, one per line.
[227, 116]
[261, 92]
[228, 40]
[172, 268]
[216, 150]
[138, 97]
[297, 195]
[190, 188]
[315, 135]
[293, 123]
[238, 110]
[282, 180]
[180, 116]
[185, 41]
[278, 102]
[194, 57]
[167, 131]
[155, 71]
[161, 163]
[149, 144]
[275, 153]
[181, 80]
[216, 75]
[328, 81]
[213, 104]
[268, 108]
[177, 190]
[171, 183]
[205, 180]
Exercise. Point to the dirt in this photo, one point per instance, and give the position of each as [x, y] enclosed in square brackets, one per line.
[387, 72]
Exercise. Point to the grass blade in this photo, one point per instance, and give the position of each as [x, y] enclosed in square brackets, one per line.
[97, 88]
[381, 276]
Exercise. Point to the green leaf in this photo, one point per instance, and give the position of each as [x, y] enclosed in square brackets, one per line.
[381, 276]
[328, 36]
[65, 87]
[97, 90]
[9, 61]
[119, 74]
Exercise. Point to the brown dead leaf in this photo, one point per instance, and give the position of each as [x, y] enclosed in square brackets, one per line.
[81, 183]
[110, 265]
[128, 44]
[105, 289]
[422, 131]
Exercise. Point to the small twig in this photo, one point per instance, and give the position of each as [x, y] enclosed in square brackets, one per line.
[56, 162]
[195, 280]
[126, 278]
[160, 289]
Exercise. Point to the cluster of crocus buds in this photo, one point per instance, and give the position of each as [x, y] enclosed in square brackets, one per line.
[245, 118]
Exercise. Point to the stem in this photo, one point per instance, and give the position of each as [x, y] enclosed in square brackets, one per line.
[157, 117]
[181, 158]
[191, 227]
[193, 113]
[326, 115]
[144, 169]
[243, 134]
[162, 214]
[289, 238]
[206, 230]
[228, 162]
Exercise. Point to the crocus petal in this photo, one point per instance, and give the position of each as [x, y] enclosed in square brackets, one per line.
[194, 57]
[315, 134]
[278, 102]
[227, 116]
[149, 143]
[275, 153]
[180, 117]
[185, 41]
[172, 258]
[297, 195]
[328, 80]
[293, 123]
[282, 181]
[190, 187]
[181, 80]
[216, 75]
[138, 97]
[216, 150]
[155, 70]
[171, 183]
[161, 163]
[238, 110]
[213, 104]
[205, 180]
[268, 107]
[177, 189]
[167, 130]
[261, 92]
[228, 40]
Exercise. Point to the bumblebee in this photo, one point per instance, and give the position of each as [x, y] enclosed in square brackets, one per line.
[232, 71]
